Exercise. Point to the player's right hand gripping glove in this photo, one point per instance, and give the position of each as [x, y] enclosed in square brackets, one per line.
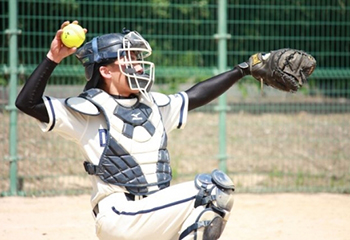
[284, 69]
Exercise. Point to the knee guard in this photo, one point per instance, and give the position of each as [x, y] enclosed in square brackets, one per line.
[215, 190]
[216, 195]
[208, 226]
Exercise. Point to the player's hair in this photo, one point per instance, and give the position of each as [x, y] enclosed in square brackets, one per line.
[97, 78]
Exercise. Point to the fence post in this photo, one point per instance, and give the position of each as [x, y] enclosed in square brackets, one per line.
[222, 37]
[12, 32]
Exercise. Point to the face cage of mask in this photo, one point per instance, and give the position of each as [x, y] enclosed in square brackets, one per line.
[141, 81]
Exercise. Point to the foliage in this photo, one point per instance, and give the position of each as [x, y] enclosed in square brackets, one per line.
[181, 32]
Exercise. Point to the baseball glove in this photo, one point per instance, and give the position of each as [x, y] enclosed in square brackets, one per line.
[283, 69]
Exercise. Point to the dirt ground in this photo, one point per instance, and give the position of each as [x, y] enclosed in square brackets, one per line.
[255, 216]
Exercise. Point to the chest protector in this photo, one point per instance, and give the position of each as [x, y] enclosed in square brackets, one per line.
[135, 154]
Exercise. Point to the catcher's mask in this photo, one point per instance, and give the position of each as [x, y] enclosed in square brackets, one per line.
[129, 48]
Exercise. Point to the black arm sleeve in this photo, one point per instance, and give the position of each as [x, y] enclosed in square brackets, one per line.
[29, 100]
[206, 91]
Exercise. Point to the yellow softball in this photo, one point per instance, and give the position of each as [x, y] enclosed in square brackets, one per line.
[73, 35]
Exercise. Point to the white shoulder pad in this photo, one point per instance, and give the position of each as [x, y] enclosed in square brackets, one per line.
[160, 99]
[82, 105]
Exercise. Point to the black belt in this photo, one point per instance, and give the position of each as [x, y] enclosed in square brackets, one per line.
[131, 197]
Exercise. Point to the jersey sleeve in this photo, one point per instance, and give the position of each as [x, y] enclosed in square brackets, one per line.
[174, 113]
[66, 122]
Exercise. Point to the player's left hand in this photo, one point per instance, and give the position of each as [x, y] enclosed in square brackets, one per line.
[283, 69]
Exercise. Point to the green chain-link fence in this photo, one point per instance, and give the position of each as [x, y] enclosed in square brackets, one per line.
[274, 141]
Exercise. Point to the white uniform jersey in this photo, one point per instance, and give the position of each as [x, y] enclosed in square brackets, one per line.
[88, 131]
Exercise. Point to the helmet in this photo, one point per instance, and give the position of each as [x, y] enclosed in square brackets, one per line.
[107, 48]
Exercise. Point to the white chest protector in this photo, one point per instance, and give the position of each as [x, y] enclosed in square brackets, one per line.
[135, 154]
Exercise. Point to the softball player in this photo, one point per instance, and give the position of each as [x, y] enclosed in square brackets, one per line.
[121, 128]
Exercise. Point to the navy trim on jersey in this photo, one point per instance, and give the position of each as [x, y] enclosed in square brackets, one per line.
[53, 114]
[181, 111]
[153, 209]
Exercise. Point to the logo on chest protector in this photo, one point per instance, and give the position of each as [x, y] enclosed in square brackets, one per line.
[135, 116]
